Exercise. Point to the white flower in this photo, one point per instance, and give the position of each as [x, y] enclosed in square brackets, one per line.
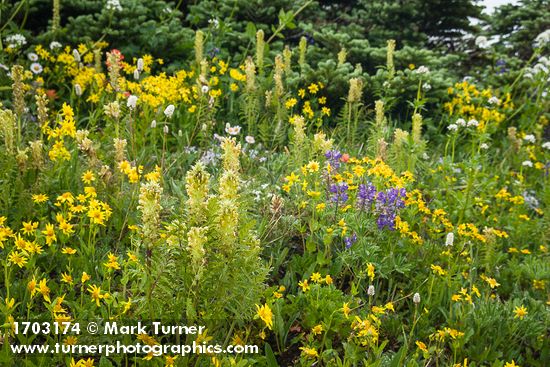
[416, 298]
[546, 145]
[461, 122]
[450, 239]
[482, 42]
[494, 100]
[136, 74]
[370, 290]
[473, 122]
[54, 45]
[543, 38]
[527, 163]
[76, 55]
[484, 146]
[386, 84]
[78, 90]
[132, 101]
[426, 87]
[452, 127]
[166, 129]
[36, 68]
[16, 40]
[139, 64]
[204, 89]
[113, 5]
[32, 56]
[422, 70]
[169, 111]
[180, 133]
[530, 138]
[250, 139]
[153, 124]
[232, 130]
[214, 22]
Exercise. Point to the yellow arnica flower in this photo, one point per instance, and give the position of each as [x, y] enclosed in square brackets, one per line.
[39, 198]
[264, 313]
[88, 177]
[421, 346]
[520, 312]
[309, 352]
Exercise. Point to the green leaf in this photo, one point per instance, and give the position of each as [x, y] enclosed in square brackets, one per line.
[270, 356]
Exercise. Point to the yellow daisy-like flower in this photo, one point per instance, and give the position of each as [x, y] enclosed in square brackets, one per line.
[421, 346]
[39, 198]
[309, 352]
[520, 312]
[317, 329]
[88, 177]
[264, 313]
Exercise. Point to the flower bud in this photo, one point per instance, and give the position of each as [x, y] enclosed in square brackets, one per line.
[370, 290]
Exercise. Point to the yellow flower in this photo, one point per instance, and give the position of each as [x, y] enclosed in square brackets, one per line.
[317, 329]
[265, 314]
[309, 352]
[39, 198]
[17, 258]
[313, 88]
[10, 302]
[313, 166]
[370, 271]
[511, 364]
[95, 293]
[85, 277]
[315, 277]
[66, 278]
[291, 102]
[421, 346]
[68, 251]
[88, 177]
[492, 282]
[346, 309]
[96, 216]
[328, 279]
[520, 312]
[436, 269]
[29, 227]
[304, 285]
[44, 290]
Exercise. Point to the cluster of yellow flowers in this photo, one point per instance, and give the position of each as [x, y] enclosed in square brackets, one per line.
[65, 127]
[470, 103]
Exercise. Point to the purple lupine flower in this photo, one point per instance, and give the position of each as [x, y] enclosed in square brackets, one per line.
[350, 240]
[339, 192]
[366, 194]
[388, 204]
[333, 157]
